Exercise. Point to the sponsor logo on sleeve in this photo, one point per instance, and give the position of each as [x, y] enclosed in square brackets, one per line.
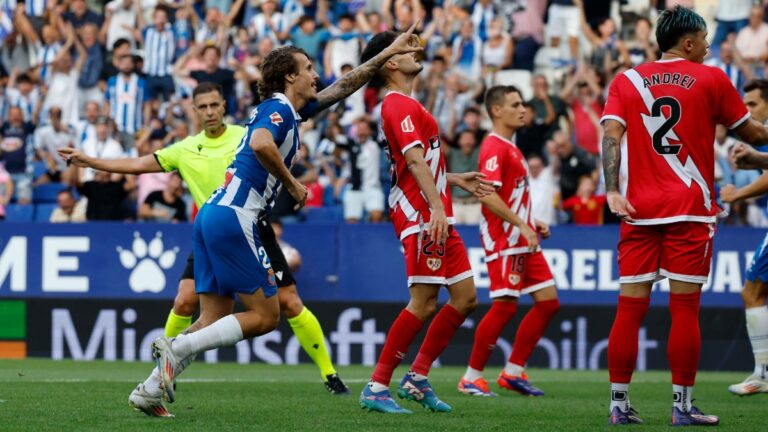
[275, 118]
[492, 164]
[407, 125]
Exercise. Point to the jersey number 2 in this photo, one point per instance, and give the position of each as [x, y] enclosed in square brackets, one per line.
[661, 132]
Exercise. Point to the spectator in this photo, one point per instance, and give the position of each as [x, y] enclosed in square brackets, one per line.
[79, 15]
[563, 23]
[642, 49]
[343, 48]
[585, 207]
[582, 92]
[47, 51]
[450, 102]
[572, 163]
[467, 49]
[466, 207]
[68, 209]
[311, 39]
[549, 108]
[532, 138]
[528, 33]
[62, 89]
[165, 205]
[103, 146]
[608, 50]
[364, 193]
[270, 23]
[159, 45]
[353, 106]
[212, 72]
[90, 72]
[732, 64]
[120, 20]
[85, 128]
[497, 49]
[147, 183]
[17, 152]
[125, 100]
[106, 193]
[304, 171]
[483, 15]
[752, 41]
[121, 47]
[50, 138]
[24, 94]
[6, 184]
[544, 193]
[731, 17]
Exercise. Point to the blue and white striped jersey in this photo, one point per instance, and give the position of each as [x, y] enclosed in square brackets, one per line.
[125, 95]
[249, 186]
[159, 48]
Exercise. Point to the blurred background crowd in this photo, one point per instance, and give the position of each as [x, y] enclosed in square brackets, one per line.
[114, 79]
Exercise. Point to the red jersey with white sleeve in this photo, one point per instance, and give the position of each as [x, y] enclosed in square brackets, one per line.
[405, 124]
[670, 109]
[504, 165]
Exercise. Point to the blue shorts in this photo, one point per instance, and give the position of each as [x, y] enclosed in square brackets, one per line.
[229, 256]
[758, 268]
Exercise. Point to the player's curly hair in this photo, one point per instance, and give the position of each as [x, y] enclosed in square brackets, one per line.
[675, 23]
[276, 66]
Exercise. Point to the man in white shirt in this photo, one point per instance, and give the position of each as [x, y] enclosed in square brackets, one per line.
[49, 139]
[752, 41]
[543, 190]
[104, 146]
[120, 22]
[365, 192]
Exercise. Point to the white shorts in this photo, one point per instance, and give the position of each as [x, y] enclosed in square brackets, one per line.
[357, 201]
[563, 21]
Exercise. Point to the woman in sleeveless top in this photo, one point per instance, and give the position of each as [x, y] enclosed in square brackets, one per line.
[497, 50]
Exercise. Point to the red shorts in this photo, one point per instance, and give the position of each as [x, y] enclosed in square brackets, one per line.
[524, 273]
[679, 251]
[428, 263]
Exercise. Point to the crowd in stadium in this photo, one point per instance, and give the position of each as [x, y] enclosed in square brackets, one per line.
[115, 80]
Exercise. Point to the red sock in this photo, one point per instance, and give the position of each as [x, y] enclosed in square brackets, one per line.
[439, 334]
[488, 332]
[684, 343]
[622, 342]
[531, 329]
[399, 338]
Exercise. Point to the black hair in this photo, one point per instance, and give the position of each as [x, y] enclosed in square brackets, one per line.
[347, 16]
[276, 66]
[208, 87]
[496, 94]
[675, 23]
[24, 78]
[758, 84]
[377, 44]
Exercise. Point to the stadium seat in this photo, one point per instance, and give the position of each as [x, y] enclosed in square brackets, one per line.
[329, 198]
[19, 213]
[40, 169]
[517, 77]
[43, 212]
[46, 193]
[324, 215]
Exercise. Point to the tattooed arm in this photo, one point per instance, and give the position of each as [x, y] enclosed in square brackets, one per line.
[613, 131]
[349, 83]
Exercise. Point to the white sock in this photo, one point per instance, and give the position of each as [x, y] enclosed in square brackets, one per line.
[513, 369]
[417, 377]
[224, 332]
[619, 397]
[757, 329]
[681, 397]
[472, 374]
[377, 387]
[152, 383]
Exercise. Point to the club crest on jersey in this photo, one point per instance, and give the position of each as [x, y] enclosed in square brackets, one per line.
[407, 125]
[271, 277]
[492, 164]
[514, 279]
[275, 118]
[434, 264]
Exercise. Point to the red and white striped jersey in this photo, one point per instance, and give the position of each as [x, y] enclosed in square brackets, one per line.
[405, 124]
[504, 165]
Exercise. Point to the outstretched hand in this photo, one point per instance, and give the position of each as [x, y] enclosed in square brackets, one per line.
[474, 183]
[74, 156]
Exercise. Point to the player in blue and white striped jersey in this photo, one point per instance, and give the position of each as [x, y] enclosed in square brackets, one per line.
[229, 256]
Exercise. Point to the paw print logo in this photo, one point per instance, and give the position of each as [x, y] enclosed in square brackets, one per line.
[147, 263]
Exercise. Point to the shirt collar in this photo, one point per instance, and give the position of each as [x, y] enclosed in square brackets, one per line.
[283, 98]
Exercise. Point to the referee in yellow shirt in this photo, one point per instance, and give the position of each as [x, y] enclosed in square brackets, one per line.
[202, 161]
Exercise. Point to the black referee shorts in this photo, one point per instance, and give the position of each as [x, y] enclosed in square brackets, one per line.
[283, 274]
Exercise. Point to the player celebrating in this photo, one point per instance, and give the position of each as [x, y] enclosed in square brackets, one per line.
[202, 161]
[755, 290]
[515, 265]
[669, 109]
[420, 208]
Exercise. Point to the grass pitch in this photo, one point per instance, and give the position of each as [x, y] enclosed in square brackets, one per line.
[42, 395]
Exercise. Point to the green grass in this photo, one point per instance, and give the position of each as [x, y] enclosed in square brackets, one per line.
[41, 395]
